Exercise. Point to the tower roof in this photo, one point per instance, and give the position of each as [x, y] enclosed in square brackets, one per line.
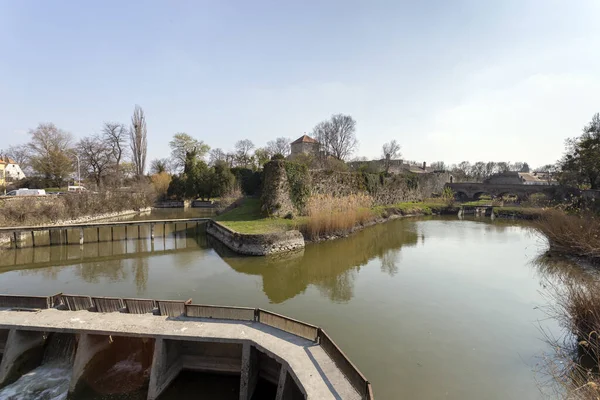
[305, 139]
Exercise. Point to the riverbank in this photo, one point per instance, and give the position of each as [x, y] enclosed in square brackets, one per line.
[248, 219]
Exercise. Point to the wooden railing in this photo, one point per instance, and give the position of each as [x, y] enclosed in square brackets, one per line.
[181, 308]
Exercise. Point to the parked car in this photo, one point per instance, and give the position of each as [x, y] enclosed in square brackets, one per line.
[27, 192]
[76, 189]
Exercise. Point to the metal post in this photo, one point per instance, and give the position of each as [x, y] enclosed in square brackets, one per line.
[165, 229]
[112, 235]
[197, 224]
[80, 236]
[50, 237]
[126, 237]
[66, 236]
[15, 239]
[98, 234]
[32, 239]
[139, 226]
[152, 232]
[78, 171]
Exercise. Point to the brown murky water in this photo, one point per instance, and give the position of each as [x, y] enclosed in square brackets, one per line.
[427, 308]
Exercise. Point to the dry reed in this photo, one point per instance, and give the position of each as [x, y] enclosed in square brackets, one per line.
[573, 369]
[330, 215]
[577, 235]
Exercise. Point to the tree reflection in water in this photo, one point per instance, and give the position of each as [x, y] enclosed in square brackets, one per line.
[330, 266]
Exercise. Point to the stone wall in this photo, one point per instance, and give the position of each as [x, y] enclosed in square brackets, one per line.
[275, 198]
[256, 245]
[385, 191]
[278, 199]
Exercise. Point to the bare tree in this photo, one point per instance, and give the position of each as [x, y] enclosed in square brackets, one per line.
[51, 153]
[21, 155]
[96, 158]
[217, 155]
[438, 166]
[337, 136]
[243, 149]
[281, 145]
[138, 140]
[115, 136]
[391, 151]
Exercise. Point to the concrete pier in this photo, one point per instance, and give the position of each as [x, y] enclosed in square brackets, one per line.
[23, 352]
[88, 347]
[298, 367]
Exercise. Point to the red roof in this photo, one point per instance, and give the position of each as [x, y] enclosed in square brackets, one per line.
[305, 139]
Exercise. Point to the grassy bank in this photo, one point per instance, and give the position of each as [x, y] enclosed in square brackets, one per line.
[248, 218]
[327, 215]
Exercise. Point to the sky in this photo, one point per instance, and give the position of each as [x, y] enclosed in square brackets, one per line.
[505, 80]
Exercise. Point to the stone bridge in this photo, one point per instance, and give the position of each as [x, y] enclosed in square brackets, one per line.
[473, 190]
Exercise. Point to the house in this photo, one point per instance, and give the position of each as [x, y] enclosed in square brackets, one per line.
[10, 171]
[518, 178]
[304, 145]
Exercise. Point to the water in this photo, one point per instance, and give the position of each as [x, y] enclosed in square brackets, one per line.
[47, 382]
[50, 381]
[427, 308]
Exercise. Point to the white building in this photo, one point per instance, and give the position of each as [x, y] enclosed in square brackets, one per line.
[13, 171]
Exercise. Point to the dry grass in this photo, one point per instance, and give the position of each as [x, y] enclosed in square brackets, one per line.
[577, 235]
[51, 209]
[573, 369]
[329, 215]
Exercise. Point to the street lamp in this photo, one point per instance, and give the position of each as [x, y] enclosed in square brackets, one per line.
[78, 171]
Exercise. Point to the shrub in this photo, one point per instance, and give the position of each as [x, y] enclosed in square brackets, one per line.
[250, 181]
[577, 235]
[161, 182]
[329, 215]
[176, 188]
[277, 156]
[36, 211]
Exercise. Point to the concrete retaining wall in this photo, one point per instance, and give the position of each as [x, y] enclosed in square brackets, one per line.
[5, 240]
[256, 245]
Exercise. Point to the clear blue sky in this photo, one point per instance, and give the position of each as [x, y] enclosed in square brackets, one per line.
[475, 80]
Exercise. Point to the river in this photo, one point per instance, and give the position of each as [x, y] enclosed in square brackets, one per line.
[429, 308]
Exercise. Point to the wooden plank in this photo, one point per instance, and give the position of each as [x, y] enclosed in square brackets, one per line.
[139, 306]
[76, 303]
[107, 304]
[287, 324]
[220, 312]
[172, 308]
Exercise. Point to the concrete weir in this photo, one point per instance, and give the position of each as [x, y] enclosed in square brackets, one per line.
[298, 360]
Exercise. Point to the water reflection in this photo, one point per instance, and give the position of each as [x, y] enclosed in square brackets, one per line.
[440, 300]
[99, 262]
[330, 266]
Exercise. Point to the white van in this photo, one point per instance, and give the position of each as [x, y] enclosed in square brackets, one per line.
[27, 192]
[76, 189]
